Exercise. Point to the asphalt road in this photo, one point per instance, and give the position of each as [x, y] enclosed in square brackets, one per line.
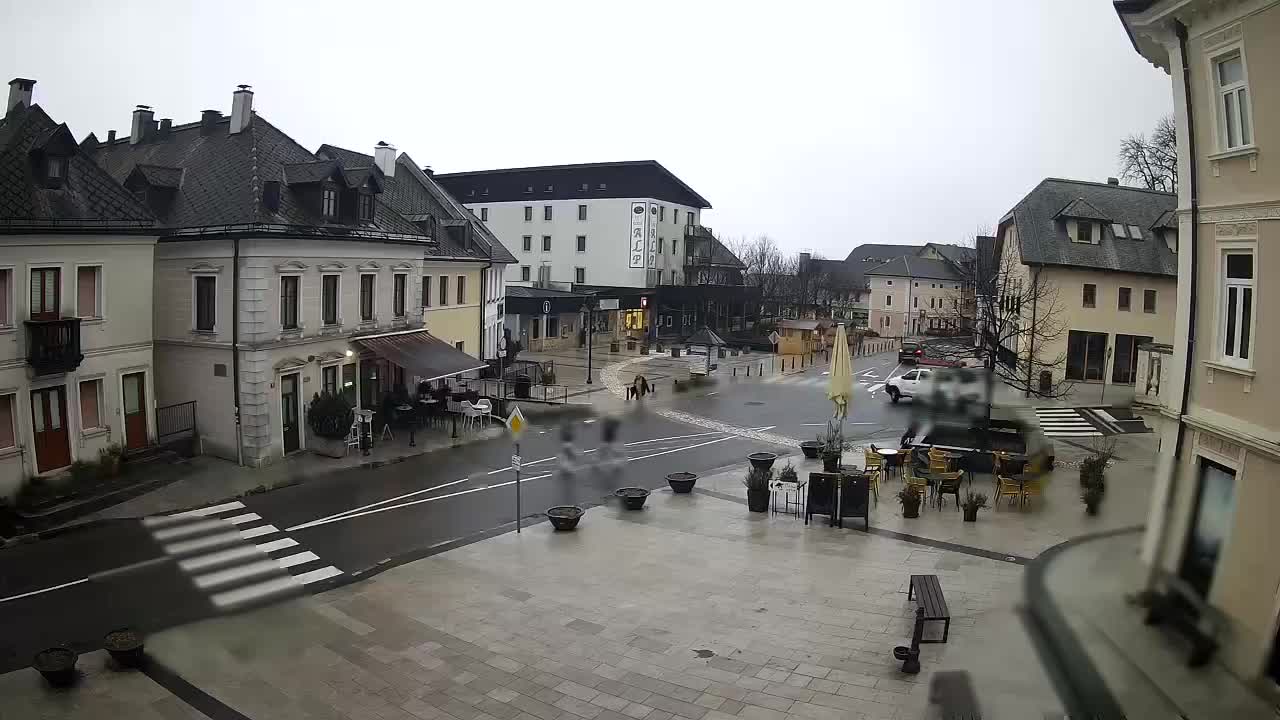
[76, 587]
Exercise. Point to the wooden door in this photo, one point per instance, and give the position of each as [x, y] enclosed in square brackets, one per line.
[49, 426]
[135, 410]
[289, 411]
[46, 288]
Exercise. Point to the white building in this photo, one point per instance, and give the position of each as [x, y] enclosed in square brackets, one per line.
[75, 297]
[614, 224]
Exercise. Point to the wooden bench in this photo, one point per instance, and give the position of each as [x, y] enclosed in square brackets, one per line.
[926, 591]
[1183, 609]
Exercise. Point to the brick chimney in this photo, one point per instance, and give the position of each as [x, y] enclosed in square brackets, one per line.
[142, 124]
[241, 109]
[1113, 181]
[19, 92]
[384, 156]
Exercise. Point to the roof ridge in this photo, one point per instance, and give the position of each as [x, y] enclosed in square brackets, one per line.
[1107, 185]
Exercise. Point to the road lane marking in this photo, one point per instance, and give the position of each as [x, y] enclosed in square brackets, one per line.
[875, 388]
[323, 573]
[259, 531]
[274, 545]
[673, 437]
[182, 531]
[45, 590]
[383, 502]
[665, 452]
[207, 542]
[201, 562]
[219, 578]
[242, 519]
[258, 591]
[297, 559]
[158, 520]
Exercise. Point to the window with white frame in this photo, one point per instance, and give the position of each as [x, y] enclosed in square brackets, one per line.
[289, 301]
[580, 275]
[484, 214]
[524, 273]
[329, 379]
[8, 434]
[329, 203]
[367, 282]
[888, 301]
[329, 299]
[1233, 101]
[398, 283]
[89, 291]
[205, 289]
[426, 291]
[91, 404]
[1235, 326]
[462, 289]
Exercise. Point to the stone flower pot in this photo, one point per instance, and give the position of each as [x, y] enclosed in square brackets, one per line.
[632, 497]
[631, 344]
[762, 460]
[758, 500]
[57, 665]
[125, 646]
[971, 515]
[831, 462]
[811, 448]
[682, 482]
[614, 347]
[565, 517]
[328, 447]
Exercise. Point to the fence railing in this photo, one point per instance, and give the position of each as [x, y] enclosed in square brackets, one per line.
[514, 390]
[174, 421]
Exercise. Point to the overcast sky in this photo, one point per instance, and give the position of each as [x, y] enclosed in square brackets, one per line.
[823, 125]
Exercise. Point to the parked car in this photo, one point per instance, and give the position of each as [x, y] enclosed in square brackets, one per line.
[908, 384]
[910, 351]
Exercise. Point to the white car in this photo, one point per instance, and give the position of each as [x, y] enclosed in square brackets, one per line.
[908, 384]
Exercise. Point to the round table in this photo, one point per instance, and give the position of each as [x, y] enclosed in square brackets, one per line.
[890, 457]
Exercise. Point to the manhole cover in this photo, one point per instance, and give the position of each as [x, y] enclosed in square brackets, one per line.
[704, 653]
[754, 402]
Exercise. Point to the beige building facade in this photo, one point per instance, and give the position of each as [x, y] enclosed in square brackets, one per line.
[1213, 510]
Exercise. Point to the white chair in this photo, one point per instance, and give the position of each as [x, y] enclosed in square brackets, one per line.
[470, 413]
[353, 435]
[485, 409]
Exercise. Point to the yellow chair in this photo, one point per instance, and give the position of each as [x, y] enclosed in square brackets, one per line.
[874, 482]
[938, 461]
[1007, 487]
[872, 460]
[1030, 487]
[915, 482]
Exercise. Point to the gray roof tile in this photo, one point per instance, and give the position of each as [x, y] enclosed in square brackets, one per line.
[917, 267]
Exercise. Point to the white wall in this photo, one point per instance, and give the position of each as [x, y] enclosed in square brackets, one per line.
[607, 228]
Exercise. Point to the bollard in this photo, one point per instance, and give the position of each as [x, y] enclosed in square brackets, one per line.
[735, 371]
[748, 371]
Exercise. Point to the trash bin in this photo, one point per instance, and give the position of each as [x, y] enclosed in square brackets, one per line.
[1046, 382]
[675, 352]
[523, 384]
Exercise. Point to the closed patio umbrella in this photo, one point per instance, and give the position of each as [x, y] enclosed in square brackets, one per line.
[840, 380]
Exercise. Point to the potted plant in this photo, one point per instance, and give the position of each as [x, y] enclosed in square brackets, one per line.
[973, 502]
[1092, 498]
[329, 417]
[565, 517]
[757, 483]
[812, 448]
[675, 352]
[644, 348]
[910, 500]
[833, 447]
[614, 346]
[682, 482]
[631, 343]
[125, 646]
[762, 460]
[632, 497]
[788, 473]
[1093, 468]
[109, 460]
[57, 665]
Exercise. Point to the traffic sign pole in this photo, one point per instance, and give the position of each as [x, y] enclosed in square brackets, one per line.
[517, 464]
[516, 423]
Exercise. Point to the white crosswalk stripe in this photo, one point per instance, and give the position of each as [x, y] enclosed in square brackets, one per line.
[1065, 422]
[237, 557]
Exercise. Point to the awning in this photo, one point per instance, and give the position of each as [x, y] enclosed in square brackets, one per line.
[421, 353]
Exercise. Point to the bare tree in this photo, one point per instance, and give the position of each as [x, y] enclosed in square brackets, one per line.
[1152, 163]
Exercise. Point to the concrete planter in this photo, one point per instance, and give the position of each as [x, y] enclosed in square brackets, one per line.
[327, 447]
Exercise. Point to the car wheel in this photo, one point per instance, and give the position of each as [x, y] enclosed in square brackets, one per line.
[894, 395]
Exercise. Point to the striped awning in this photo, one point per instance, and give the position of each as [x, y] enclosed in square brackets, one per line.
[421, 353]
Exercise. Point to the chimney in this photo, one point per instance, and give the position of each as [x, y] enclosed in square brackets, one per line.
[1113, 181]
[19, 92]
[111, 136]
[141, 124]
[384, 156]
[426, 170]
[208, 119]
[241, 109]
[166, 124]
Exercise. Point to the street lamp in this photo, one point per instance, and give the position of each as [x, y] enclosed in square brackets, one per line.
[589, 309]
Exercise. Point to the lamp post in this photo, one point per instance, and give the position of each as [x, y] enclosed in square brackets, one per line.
[589, 307]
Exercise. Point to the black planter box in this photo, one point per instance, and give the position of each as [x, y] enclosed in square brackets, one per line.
[682, 482]
[564, 517]
[811, 448]
[758, 500]
[632, 497]
[762, 460]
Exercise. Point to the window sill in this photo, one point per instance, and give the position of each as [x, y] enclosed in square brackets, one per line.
[205, 333]
[1249, 151]
[92, 321]
[94, 432]
[9, 452]
[1223, 367]
[290, 333]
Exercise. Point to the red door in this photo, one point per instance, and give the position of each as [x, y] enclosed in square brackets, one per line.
[135, 410]
[49, 423]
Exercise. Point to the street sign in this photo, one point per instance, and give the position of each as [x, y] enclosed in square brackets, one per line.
[515, 462]
[774, 337]
[502, 352]
[608, 304]
[516, 422]
[546, 307]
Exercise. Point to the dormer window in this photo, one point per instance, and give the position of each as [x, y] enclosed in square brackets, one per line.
[1084, 232]
[365, 207]
[56, 168]
[329, 203]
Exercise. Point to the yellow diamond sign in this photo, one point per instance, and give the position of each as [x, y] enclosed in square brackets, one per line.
[516, 422]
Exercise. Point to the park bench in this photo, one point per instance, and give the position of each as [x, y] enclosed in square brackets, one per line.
[926, 591]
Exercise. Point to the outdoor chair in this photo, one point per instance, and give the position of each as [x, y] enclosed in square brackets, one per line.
[353, 435]
[1007, 487]
[948, 484]
[872, 461]
[915, 482]
[485, 409]
[470, 414]
[1030, 487]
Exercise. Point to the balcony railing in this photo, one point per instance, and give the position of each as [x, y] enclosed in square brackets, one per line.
[698, 232]
[53, 346]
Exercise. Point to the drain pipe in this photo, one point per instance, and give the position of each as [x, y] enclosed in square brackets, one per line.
[235, 344]
[1193, 187]
[1031, 348]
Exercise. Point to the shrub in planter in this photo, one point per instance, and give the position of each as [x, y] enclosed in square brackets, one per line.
[125, 646]
[83, 472]
[682, 482]
[788, 473]
[1093, 468]
[757, 483]
[329, 417]
[109, 460]
[57, 665]
[973, 502]
[910, 500]
[564, 517]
